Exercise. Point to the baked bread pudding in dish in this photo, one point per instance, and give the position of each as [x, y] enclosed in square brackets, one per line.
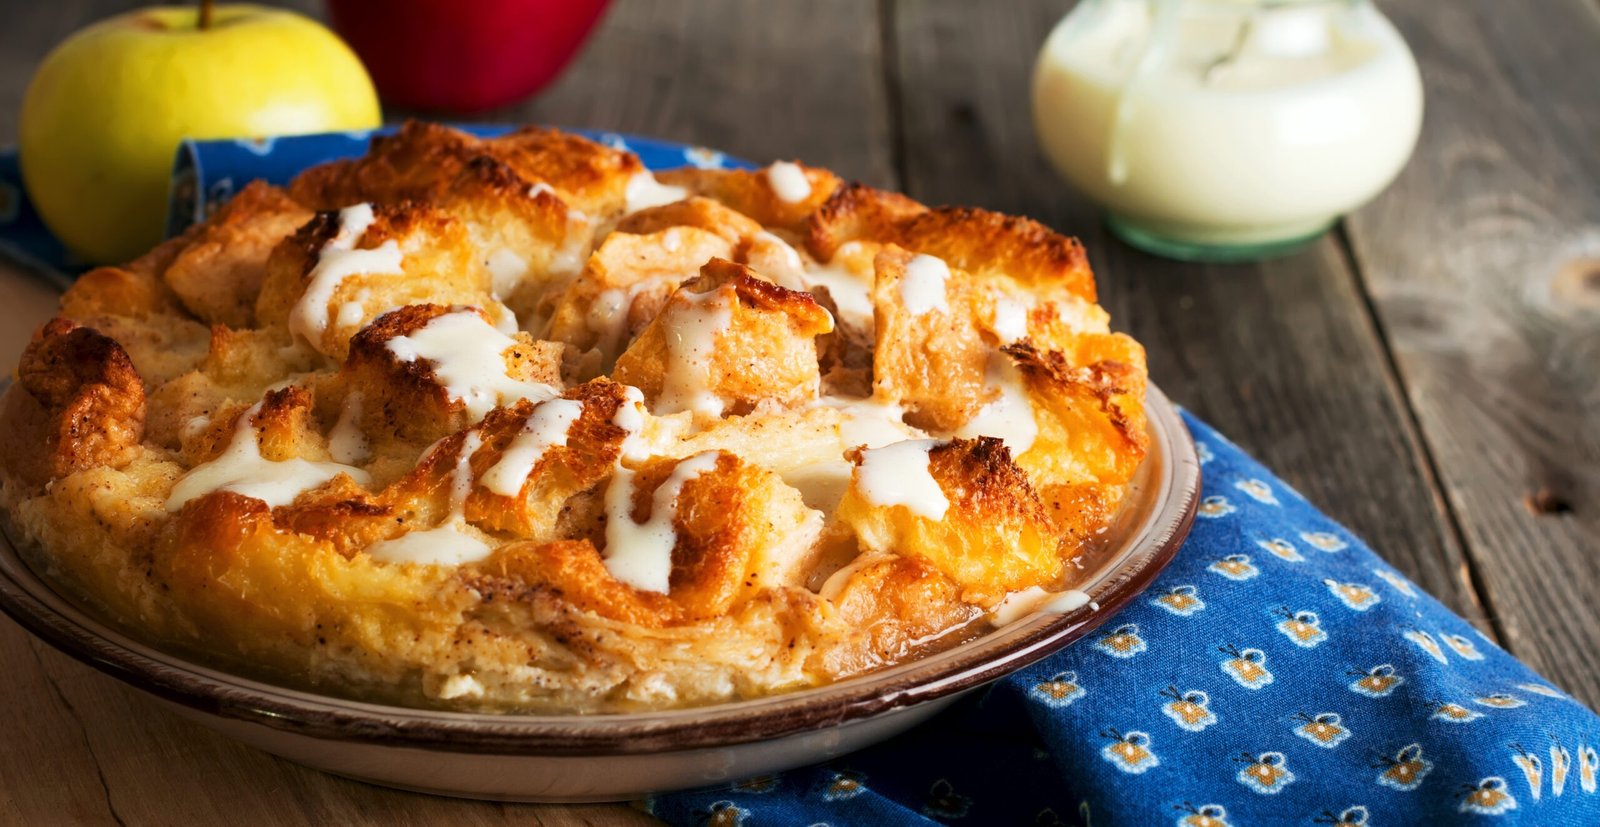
[513, 424]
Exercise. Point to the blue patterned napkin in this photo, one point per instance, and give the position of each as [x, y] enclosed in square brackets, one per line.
[1279, 672]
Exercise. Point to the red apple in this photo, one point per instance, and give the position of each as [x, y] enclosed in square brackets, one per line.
[463, 56]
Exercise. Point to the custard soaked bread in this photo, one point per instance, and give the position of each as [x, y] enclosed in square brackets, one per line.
[513, 424]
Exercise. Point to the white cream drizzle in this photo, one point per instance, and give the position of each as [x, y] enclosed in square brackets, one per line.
[574, 215]
[506, 271]
[467, 358]
[851, 294]
[771, 256]
[446, 544]
[869, 422]
[504, 320]
[544, 429]
[339, 260]
[460, 686]
[922, 289]
[569, 259]
[1010, 319]
[1022, 604]
[640, 554]
[872, 421]
[346, 442]
[630, 418]
[644, 192]
[789, 182]
[242, 469]
[697, 320]
[607, 316]
[834, 585]
[354, 310]
[821, 484]
[899, 474]
[1010, 415]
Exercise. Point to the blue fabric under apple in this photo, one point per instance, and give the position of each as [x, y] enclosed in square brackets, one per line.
[1278, 672]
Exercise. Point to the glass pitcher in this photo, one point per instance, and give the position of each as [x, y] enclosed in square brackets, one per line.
[1226, 130]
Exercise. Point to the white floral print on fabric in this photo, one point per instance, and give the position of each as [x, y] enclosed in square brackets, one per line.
[1247, 667]
[1235, 567]
[1130, 751]
[1182, 600]
[1376, 682]
[1257, 490]
[1267, 773]
[1405, 770]
[1191, 710]
[1060, 690]
[1123, 642]
[1490, 797]
[1282, 549]
[1215, 506]
[1325, 730]
[1303, 629]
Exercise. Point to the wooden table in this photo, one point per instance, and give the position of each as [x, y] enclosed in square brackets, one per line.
[1429, 372]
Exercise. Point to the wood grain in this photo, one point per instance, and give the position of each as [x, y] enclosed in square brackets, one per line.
[759, 80]
[1429, 377]
[1281, 356]
[95, 750]
[1483, 263]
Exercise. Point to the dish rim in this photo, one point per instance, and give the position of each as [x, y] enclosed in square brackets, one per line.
[43, 610]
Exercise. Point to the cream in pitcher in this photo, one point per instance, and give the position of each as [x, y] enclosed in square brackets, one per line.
[1226, 129]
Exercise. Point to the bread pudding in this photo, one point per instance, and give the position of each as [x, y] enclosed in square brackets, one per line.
[514, 424]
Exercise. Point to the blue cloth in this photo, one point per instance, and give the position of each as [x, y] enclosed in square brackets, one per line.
[1278, 672]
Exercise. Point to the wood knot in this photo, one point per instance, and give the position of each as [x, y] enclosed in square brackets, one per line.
[1545, 502]
[1578, 282]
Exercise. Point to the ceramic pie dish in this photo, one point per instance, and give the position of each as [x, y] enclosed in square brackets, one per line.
[504, 449]
[549, 758]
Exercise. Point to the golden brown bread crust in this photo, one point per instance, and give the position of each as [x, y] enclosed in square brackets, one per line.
[364, 529]
[405, 397]
[439, 266]
[78, 403]
[992, 505]
[766, 353]
[932, 363]
[553, 498]
[419, 161]
[984, 243]
[857, 211]
[924, 601]
[635, 272]
[750, 192]
[218, 274]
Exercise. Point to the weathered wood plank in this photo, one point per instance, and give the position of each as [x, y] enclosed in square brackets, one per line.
[1484, 265]
[50, 773]
[758, 80]
[157, 769]
[1282, 356]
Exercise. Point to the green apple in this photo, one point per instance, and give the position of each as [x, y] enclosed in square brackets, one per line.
[105, 112]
